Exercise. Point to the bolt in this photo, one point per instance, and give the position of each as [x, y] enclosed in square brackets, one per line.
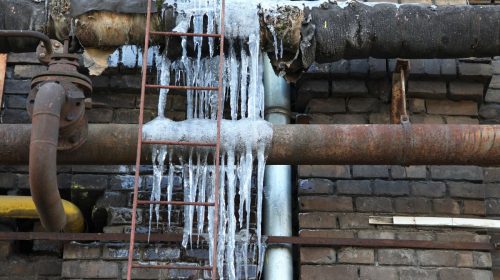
[73, 139]
[70, 117]
[41, 55]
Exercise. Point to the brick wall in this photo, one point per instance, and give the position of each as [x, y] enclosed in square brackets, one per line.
[336, 201]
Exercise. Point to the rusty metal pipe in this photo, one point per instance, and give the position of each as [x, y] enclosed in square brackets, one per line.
[30, 34]
[43, 156]
[297, 144]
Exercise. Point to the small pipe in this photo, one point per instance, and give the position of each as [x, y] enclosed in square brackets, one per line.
[22, 207]
[295, 240]
[43, 155]
[30, 34]
[277, 182]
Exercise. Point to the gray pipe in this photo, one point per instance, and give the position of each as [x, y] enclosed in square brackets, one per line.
[277, 182]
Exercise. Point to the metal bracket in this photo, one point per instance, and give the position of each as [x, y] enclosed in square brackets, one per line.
[398, 100]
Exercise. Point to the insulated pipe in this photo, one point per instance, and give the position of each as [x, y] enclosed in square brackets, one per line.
[22, 207]
[278, 263]
[297, 144]
[43, 156]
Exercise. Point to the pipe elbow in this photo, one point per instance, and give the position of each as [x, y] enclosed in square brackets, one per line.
[43, 156]
[23, 207]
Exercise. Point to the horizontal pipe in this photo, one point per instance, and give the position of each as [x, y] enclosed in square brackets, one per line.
[296, 240]
[23, 207]
[297, 144]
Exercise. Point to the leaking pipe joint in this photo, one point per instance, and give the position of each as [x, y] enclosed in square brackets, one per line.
[43, 153]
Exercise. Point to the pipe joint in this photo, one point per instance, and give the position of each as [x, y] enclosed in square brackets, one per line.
[56, 105]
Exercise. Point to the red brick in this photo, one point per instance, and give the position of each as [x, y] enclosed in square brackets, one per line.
[452, 108]
[326, 272]
[356, 255]
[474, 207]
[325, 203]
[310, 255]
[327, 105]
[437, 258]
[378, 273]
[317, 220]
[326, 233]
[324, 171]
[90, 269]
[445, 206]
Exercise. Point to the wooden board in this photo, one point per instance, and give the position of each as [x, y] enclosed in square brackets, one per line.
[3, 68]
[435, 221]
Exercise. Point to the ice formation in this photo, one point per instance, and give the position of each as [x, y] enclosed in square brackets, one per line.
[245, 136]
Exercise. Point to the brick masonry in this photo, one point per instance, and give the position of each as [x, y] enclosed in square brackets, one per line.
[336, 201]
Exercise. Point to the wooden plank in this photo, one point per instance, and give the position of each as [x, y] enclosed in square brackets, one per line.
[3, 69]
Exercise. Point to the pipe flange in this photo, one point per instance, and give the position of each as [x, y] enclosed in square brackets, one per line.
[83, 82]
[73, 124]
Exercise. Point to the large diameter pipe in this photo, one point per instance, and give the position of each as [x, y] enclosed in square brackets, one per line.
[297, 144]
[43, 153]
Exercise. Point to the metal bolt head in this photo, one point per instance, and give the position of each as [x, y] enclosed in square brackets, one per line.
[41, 55]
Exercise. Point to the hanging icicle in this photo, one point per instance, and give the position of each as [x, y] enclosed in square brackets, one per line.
[244, 138]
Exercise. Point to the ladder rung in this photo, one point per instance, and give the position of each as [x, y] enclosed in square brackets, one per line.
[171, 266]
[159, 142]
[181, 87]
[185, 34]
[179, 203]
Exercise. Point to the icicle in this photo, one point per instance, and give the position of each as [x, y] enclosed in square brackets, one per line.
[244, 83]
[261, 164]
[202, 196]
[221, 242]
[159, 154]
[231, 230]
[210, 30]
[170, 185]
[164, 80]
[211, 215]
[233, 83]
[253, 45]
[275, 41]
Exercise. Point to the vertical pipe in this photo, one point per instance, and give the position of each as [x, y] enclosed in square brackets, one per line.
[43, 156]
[277, 183]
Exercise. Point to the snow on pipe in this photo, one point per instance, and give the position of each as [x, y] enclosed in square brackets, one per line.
[296, 144]
[299, 33]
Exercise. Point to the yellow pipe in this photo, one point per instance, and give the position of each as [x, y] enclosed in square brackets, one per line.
[22, 207]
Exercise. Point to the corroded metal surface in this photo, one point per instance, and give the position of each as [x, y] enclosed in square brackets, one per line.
[296, 240]
[297, 144]
[386, 144]
[398, 98]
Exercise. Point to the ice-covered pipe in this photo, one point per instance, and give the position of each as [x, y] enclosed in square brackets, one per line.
[278, 263]
[297, 144]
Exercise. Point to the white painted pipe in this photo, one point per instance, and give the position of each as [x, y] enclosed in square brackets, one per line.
[278, 263]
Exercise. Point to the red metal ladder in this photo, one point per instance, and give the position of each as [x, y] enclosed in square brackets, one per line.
[131, 264]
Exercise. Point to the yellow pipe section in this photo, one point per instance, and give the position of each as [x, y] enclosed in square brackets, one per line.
[22, 207]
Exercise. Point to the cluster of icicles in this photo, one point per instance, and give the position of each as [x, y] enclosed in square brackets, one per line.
[238, 242]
